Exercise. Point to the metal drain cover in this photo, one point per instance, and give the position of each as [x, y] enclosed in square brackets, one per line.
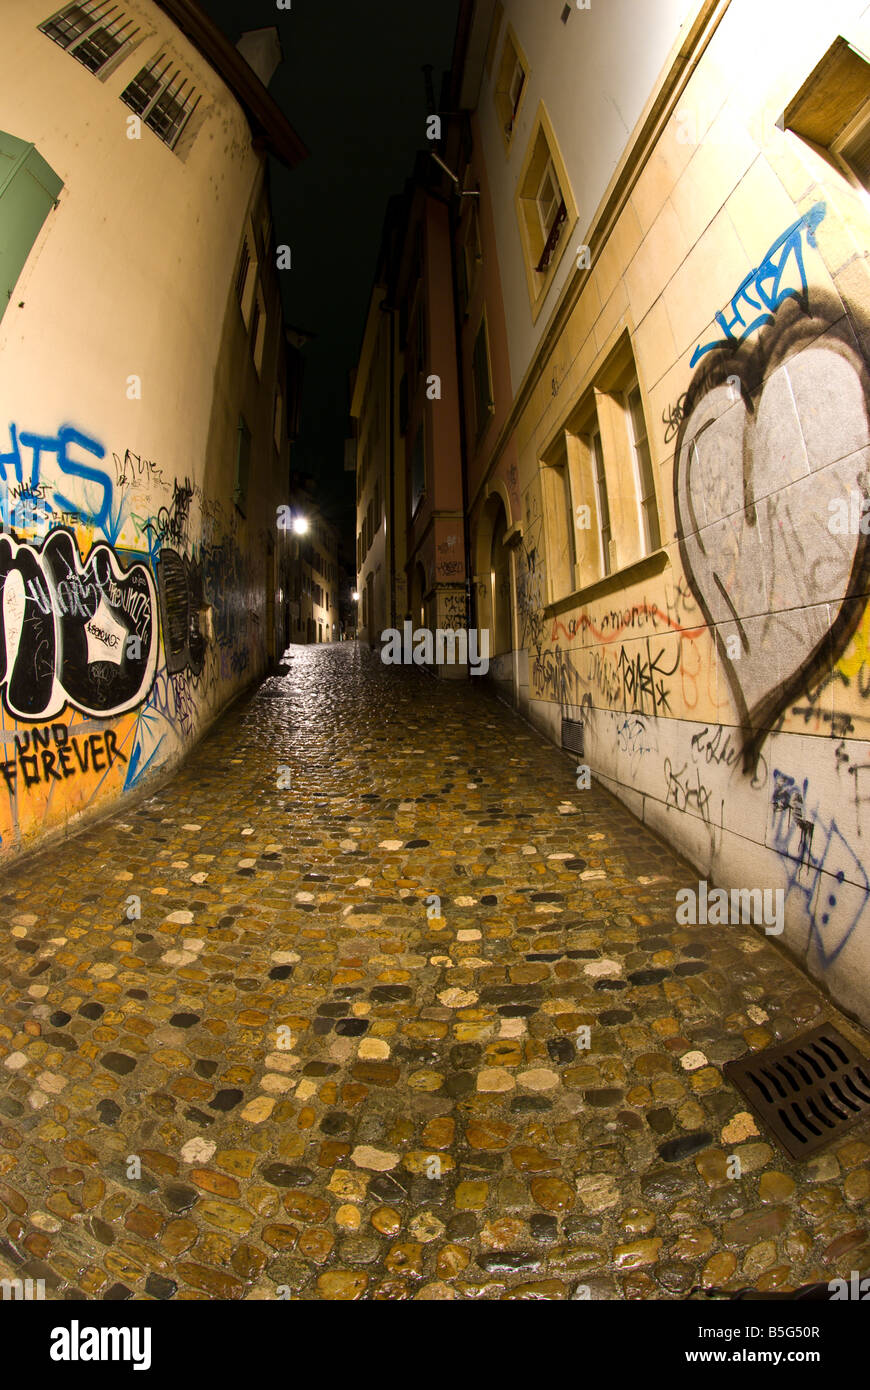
[806, 1091]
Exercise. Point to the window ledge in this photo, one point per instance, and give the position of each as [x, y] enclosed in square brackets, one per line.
[644, 568]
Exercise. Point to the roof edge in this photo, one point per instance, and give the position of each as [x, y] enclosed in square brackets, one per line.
[268, 123]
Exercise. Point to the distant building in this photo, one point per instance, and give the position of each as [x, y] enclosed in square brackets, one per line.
[378, 454]
[407, 402]
[146, 389]
[313, 575]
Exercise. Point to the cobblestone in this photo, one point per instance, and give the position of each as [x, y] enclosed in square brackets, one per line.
[330, 1042]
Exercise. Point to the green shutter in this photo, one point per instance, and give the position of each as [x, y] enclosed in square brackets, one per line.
[28, 191]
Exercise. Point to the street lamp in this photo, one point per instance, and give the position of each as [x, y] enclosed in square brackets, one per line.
[300, 525]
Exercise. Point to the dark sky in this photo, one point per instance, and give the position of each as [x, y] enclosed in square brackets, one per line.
[351, 84]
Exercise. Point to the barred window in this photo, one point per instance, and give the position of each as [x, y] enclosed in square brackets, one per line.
[163, 97]
[242, 273]
[94, 31]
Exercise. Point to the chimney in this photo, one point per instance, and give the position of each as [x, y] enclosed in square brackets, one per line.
[261, 50]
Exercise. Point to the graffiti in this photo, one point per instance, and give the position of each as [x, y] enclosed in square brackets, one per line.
[531, 586]
[454, 610]
[672, 418]
[718, 748]
[611, 625]
[770, 283]
[555, 678]
[226, 580]
[634, 737]
[450, 567]
[858, 771]
[173, 698]
[685, 790]
[82, 634]
[79, 622]
[758, 555]
[70, 756]
[98, 513]
[643, 678]
[820, 860]
[787, 798]
[170, 525]
[179, 583]
[133, 471]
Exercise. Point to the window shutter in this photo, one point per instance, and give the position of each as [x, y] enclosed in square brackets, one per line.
[29, 189]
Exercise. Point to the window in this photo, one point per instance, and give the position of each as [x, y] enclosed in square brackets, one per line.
[163, 97]
[510, 86]
[482, 381]
[29, 189]
[94, 31]
[561, 546]
[832, 109]
[548, 199]
[545, 209]
[418, 471]
[646, 487]
[420, 340]
[242, 273]
[604, 528]
[278, 420]
[243, 466]
[258, 329]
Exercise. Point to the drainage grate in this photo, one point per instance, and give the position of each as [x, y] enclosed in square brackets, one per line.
[806, 1091]
[572, 736]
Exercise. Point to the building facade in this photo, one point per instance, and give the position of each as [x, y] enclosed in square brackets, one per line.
[319, 616]
[143, 395]
[671, 261]
[373, 435]
[314, 573]
[407, 399]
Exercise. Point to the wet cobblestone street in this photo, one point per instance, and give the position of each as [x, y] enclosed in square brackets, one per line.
[344, 1044]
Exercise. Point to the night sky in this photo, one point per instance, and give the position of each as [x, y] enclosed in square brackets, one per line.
[351, 85]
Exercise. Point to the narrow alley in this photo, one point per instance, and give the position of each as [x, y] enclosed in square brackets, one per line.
[434, 680]
[366, 1004]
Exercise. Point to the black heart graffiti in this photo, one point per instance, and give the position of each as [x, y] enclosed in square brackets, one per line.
[83, 634]
[771, 434]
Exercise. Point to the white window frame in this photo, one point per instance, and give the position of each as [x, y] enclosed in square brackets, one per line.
[600, 472]
[549, 171]
[648, 545]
